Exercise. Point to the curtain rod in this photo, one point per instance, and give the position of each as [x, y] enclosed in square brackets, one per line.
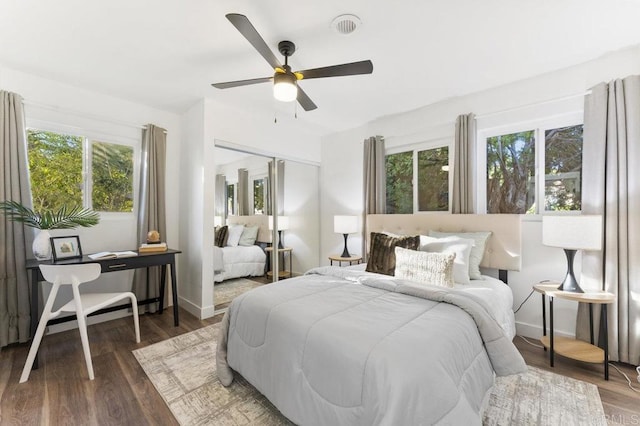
[85, 115]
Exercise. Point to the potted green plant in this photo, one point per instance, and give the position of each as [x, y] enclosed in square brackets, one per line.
[63, 218]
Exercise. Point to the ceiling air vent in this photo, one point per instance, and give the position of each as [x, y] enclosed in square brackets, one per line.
[346, 24]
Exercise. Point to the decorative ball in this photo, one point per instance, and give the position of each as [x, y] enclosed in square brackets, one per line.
[153, 236]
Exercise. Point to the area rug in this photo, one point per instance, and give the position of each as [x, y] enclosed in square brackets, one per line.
[183, 370]
[226, 291]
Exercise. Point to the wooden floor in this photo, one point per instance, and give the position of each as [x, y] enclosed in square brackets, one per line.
[59, 392]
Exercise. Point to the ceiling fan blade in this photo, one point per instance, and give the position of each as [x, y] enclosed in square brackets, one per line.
[249, 32]
[354, 68]
[305, 101]
[238, 83]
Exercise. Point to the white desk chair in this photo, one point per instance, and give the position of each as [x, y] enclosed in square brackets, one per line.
[82, 305]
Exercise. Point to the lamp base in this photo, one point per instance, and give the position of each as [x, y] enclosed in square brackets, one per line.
[570, 283]
[345, 252]
[280, 246]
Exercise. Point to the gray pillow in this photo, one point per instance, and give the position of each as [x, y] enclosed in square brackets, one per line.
[477, 251]
[249, 235]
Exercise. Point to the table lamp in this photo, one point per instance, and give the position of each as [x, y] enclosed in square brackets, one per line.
[572, 233]
[345, 225]
[283, 225]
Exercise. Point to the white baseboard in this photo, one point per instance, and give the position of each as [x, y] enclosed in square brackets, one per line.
[534, 331]
[195, 310]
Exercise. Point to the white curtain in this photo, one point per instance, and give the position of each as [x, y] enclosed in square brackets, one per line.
[151, 207]
[463, 164]
[15, 239]
[611, 188]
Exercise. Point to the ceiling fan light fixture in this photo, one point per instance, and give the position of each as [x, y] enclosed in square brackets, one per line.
[285, 88]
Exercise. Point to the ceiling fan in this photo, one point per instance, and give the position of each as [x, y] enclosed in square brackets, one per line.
[285, 87]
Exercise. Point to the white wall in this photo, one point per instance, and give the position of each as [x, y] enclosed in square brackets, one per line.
[302, 206]
[203, 124]
[341, 174]
[49, 103]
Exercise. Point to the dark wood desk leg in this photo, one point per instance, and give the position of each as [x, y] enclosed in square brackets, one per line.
[34, 310]
[174, 290]
[544, 319]
[163, 282]
[551, 331]
[591, 321]
[606, 341]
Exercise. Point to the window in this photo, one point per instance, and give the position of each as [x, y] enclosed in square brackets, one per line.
[399, 172]
[511, 164]
[231, 199]
[563, 169]
[258, 196]
[513, 184]
[433, 179]
[431, 168]
[57, 170]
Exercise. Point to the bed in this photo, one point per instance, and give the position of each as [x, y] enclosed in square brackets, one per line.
[242, 260]
[347, 346]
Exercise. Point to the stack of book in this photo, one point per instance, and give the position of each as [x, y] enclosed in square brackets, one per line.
[151, 248]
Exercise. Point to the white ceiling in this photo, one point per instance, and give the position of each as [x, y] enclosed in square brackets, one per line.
[165, 53]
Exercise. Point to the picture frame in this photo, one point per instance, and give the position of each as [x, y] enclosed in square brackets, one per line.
[67, 247]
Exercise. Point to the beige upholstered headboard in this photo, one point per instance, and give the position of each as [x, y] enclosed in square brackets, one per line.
[259, 220]
[503, 249]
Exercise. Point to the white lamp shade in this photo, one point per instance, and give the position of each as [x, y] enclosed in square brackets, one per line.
[283, 223]
[345, 224]
[582, 232]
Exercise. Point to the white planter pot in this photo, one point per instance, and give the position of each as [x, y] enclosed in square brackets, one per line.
[42, 245]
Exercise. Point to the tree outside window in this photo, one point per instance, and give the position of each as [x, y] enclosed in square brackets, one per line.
[511, 165]
[258, 196]
[55, 169]
[399, 172]
[231, 199]
[563, 169]
[58, 174]
[512, 184]
[432, 181]
[112, 173]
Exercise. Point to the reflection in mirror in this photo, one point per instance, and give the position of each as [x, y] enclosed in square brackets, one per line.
[242, 234]
[278, 201]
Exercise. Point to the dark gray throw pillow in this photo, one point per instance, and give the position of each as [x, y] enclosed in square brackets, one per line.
[382, 258]
[221, 236]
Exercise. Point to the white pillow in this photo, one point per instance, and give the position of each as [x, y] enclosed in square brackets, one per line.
[477, 252]
[235, 232]
[248, 236]
[460, 246]
[427, 268]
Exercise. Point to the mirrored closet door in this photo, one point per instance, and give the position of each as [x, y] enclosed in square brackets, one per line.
[266, 214]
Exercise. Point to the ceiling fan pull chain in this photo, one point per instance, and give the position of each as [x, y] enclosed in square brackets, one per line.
[295, 112]
[275, 117]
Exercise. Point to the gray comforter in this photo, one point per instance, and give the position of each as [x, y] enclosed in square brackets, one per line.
[339, 347]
